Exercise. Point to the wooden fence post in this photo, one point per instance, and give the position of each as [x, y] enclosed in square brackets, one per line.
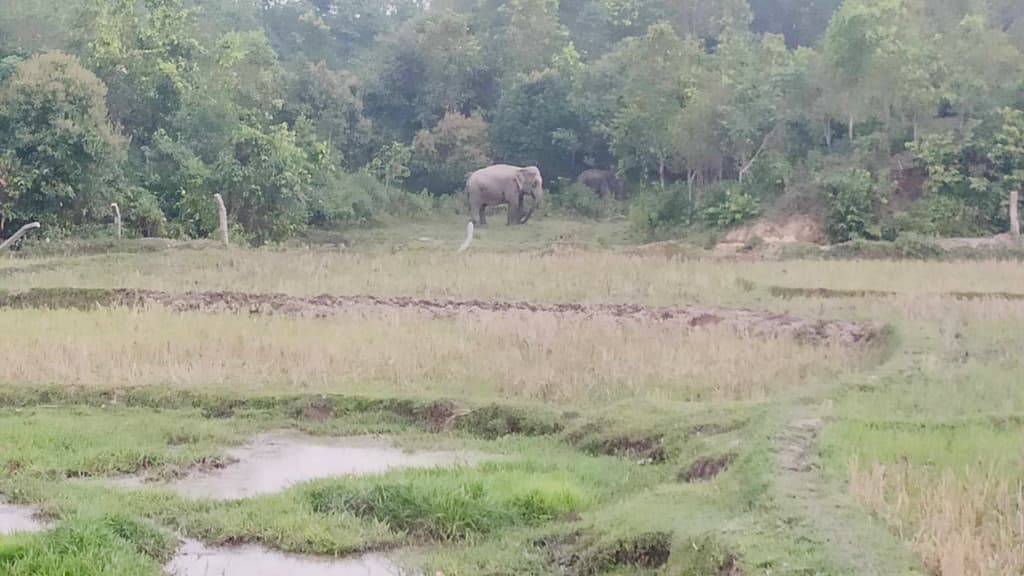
[223, 213]
[117, 219]
[1014, 220]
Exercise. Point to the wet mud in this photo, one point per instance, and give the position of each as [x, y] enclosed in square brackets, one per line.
[14, 519]
[707, 468]
[196, 559]
[275, 461]
[756, 323]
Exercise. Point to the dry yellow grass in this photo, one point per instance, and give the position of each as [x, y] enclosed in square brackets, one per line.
[969, 525]
[580, 276]
[532, 357]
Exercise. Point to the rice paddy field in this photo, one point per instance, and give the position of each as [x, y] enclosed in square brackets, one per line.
[549, 402]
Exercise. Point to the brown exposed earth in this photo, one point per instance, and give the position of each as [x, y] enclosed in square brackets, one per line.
[796, 228]
[706, 468]
[794, 453]
[754, 323]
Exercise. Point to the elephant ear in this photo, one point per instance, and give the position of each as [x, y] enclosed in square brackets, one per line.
[520, 180]
[529, 174]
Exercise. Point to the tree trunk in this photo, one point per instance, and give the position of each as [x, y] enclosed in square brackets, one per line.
[1014, 221]
[849, 128]
[661, 172]
[691, 175]
[828, 132]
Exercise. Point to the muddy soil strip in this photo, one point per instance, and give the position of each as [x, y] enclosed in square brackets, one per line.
[789, 292]
[757, 323]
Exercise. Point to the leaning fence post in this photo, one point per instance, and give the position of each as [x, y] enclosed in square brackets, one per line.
[223, 213]
[1014, 221]
[21, 232]
[117, 219]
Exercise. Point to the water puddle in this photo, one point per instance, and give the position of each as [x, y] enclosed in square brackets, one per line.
[18, 519]
[195, 559]
[273, 462]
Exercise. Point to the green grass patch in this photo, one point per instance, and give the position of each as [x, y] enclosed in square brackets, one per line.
[453, 505]
[111, 546]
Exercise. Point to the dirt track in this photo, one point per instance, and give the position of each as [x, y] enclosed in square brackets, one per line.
[756, 323]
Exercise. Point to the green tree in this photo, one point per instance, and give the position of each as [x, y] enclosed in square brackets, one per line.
[333, 101]
[264, 177]
[432, 66]
[146, 53]
[657, 84]
[535, 124]
[391, 164]
[63, 154]
[445, 155]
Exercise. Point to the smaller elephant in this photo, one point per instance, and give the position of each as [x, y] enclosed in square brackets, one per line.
[503, 184]
[603, 182]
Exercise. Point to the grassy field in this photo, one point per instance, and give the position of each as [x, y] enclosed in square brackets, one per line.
[626, 445]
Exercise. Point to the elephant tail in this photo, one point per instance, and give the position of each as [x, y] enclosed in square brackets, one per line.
[469, 237]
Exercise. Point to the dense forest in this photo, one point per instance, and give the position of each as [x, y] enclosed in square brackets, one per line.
[882, 117]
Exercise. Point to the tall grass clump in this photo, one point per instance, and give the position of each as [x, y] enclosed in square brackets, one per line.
[969, 524]
[449, 505]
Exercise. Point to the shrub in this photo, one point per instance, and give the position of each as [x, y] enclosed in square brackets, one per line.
[580, 200]
[850, 195]
[940, 215]
[141, 213]
[728, 204]
[657, 211]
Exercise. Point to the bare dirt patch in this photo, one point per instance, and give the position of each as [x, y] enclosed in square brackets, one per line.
[756, 323]
[196, 559]
[577, 554]
[707, 468]
[797, 228]
[795, 444]
[275, 461]
[592, 438]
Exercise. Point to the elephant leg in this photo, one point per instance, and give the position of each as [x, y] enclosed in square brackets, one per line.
[482, 210]
[513, 214]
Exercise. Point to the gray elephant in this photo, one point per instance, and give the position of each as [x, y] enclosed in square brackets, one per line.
[503, 184]
[603, 182]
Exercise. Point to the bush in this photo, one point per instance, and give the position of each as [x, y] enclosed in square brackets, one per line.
[727, 204]
[657, 212]
[580, 200]
[940, 215]
[359, 198]
[141, 213]
[850, 196]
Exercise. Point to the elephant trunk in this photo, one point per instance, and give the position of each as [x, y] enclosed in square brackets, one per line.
[536, 202]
